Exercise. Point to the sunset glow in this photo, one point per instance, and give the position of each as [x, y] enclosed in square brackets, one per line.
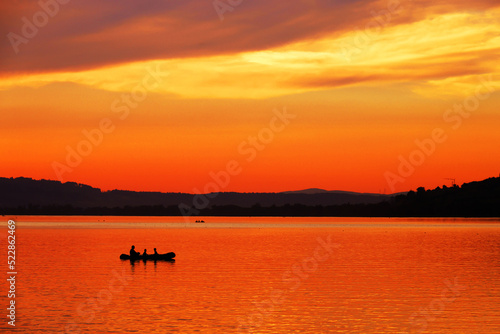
[157, 98]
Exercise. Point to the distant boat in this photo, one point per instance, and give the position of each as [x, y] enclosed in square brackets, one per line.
[199, 221]
[155, 257]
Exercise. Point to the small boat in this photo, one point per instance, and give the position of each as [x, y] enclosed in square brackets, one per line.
[155, 257]
[199, 221]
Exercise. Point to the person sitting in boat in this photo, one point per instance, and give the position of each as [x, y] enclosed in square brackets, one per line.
[156, 253]
[133, 253]
[145, 254]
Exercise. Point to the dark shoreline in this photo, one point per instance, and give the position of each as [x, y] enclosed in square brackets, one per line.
[382, 210]
[479, 199]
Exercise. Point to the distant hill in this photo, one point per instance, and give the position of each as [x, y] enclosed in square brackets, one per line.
[22, 192]
[306, 191]
[473, 199]
[323, 191]
[42, 197]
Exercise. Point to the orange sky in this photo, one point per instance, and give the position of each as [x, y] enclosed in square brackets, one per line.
[292, 95]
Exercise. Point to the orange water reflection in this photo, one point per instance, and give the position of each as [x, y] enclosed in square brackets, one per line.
[383, 279]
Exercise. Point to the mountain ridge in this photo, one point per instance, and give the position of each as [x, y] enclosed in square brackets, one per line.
[322, 191]
[473, 199]
[23, 191]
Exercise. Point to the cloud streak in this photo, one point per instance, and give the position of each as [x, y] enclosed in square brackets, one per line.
[430, 50]
[91, 34]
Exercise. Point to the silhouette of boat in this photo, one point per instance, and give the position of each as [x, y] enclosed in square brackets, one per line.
[155, 257]
[199, 221]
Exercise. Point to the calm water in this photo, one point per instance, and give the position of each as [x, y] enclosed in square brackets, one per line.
[256, 275]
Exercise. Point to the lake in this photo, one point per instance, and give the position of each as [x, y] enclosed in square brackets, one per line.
[255, 275]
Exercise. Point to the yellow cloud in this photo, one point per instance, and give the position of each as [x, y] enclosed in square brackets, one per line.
[439, 56]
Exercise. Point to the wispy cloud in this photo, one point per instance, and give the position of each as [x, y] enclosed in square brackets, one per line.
[90, 34]
[429, 54]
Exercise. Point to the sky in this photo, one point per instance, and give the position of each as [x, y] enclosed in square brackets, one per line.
[250, 96]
